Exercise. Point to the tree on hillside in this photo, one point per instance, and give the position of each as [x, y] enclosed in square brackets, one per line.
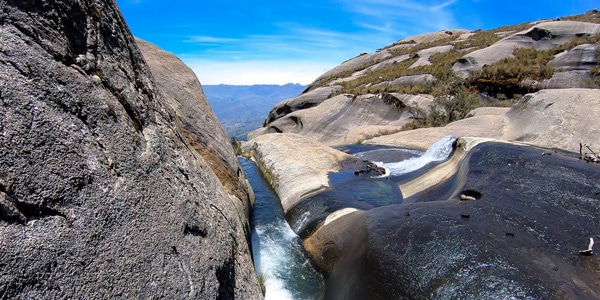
[452, 102]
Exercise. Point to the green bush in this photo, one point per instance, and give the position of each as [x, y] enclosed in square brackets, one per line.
[452, 102]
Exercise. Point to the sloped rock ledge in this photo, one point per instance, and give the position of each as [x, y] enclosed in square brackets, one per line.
[492, 224]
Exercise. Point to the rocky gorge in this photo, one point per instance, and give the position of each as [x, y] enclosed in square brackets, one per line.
[492, 195]
[397, 170]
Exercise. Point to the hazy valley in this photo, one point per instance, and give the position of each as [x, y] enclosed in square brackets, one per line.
[241, 109]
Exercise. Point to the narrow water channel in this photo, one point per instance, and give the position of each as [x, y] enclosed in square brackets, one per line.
[278, 253]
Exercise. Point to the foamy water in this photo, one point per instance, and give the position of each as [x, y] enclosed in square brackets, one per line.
[277, 250]
[439, 151]
[275, 257]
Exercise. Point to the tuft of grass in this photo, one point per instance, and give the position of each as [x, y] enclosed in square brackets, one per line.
[453, 101]
[236, 145]
[455, 98]
[262, 279]
[591, 16]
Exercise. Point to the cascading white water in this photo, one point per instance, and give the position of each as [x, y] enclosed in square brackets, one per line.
[302, 222]
[276, 242]
[439, 151]
[277, 250]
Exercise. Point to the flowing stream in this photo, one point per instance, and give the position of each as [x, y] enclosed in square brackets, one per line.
[277, 250]
[278, 253]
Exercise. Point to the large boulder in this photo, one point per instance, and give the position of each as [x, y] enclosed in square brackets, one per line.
[100, 196]
[305, 100]
[182, 91]
[295, 177]
[348, 119]
[509, 223]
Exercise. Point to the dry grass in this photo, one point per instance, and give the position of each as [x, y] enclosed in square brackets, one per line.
[454, 99]
[591, 16]
[262, 279]
[509, 73]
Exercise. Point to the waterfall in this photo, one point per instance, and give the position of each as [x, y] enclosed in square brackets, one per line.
[439, 151]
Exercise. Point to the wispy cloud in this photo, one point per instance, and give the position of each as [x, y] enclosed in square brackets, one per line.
[256, 72]
[297, 52]
[296, 42]
[209, 39]
[443, 5]
[406, 16]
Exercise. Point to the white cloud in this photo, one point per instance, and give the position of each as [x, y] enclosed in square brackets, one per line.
[209, 39]
[297, 41]
[256, 72]
[443, 5]
[402, 16]
[298, 53]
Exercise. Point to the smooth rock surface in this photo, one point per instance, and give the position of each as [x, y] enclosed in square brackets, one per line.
[386, 63]
[541, 36]
[365, 59]
[426, 53]
[582, 57]
[549, 118]
[408, 81]
[295, 177]
[434, 36]
[182, 91]
[100, 197]
[345, 119]
[518, 238]
[306, 100]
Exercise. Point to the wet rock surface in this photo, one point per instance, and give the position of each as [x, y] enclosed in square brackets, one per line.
[100, 197]
[361, 191]
[512, 225]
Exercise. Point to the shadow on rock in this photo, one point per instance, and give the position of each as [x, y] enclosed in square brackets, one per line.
[512, 225]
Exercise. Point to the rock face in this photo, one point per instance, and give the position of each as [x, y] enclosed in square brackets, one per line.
[345, 119]
[517, 236]
[304, 101]
[300, 175]
[541, 36]
[562, 54]
[549, 118]
[506, 221]
[100, 196]
[500, 218]
[182, 91]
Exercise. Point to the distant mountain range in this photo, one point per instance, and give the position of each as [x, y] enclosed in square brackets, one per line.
[242, 108]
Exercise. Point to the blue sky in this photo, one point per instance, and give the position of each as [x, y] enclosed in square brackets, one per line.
[277, 42]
